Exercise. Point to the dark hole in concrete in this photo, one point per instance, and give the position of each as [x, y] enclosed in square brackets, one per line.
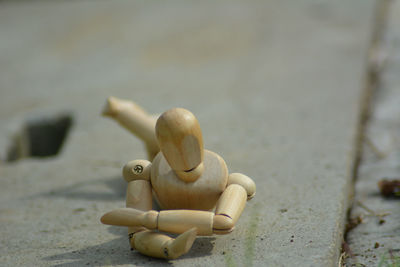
[40, 138]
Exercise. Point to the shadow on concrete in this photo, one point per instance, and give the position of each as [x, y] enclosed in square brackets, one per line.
[203, 246]
[86, 190]
[117, 252]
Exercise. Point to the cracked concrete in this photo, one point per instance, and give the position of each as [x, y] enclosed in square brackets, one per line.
[375, 241]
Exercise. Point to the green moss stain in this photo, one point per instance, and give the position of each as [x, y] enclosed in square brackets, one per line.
[251, 234]
[249, 242]
[229, 260]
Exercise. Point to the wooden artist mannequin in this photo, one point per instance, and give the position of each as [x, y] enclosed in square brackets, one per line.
[192, 185]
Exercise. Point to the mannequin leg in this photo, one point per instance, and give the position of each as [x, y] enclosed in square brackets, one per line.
[158, 245]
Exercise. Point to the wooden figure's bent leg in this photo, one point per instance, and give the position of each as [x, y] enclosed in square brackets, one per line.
[134, 119]
[138, 196]
[246, 182]
[138, 192]
[146, 241]
[158, 245]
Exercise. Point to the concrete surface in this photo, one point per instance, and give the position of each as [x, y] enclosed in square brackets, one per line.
[378, 236]
[275, 86]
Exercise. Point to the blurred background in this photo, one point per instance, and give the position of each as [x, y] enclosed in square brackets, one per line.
[62, 59]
